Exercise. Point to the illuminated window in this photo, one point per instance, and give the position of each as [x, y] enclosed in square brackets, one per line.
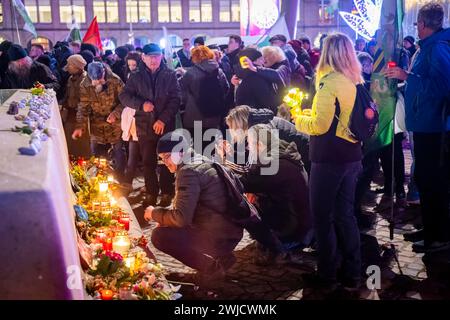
[169, 11]
[326, 12]
[43, 42]
[39, 11]
[106, 11]
[1, 14]
[67, 6]
[200, 11]
[229, 10]
[138, 11]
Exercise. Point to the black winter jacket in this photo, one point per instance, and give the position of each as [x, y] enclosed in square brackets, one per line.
[283, 198]
[256, 92]
[200, 202]
[39, 73]
[162, 89]
[286, 131]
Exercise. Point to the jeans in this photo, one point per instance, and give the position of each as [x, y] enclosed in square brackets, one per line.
[146, 149]
[432, 172]
[194, 248]
[332, 193]
[118, 155]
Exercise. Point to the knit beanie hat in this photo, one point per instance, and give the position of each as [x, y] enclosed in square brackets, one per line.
[16, 52]
[172, 142]
[121, 52]
[87, 56]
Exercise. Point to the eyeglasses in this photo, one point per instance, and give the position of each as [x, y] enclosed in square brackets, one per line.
[165, 157]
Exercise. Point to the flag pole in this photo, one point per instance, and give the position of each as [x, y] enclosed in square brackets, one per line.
[15, 20]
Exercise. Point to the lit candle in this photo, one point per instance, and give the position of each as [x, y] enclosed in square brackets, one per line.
[110, 179]
[107, 244]
[112, 201]
[125, 220]
[121, 243]
[129, 263]
[96, 205]
[100, 235]
[125, 291]
[102, 163]
[103, 186]
[106, 294]
[104, 204]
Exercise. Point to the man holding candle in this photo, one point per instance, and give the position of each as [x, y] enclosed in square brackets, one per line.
[195, 230]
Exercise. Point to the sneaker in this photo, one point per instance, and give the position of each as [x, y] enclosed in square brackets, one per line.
[150, 200]
[414, 236]
[436, 246]
[166, 200]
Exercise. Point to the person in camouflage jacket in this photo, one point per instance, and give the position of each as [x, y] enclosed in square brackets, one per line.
[99, 102]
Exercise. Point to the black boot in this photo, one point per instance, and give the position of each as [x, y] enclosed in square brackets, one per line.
[149, 200]
[166, 200]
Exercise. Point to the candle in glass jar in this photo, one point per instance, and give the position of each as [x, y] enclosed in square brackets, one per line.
[100, 235]
[121, 244]
[112, 201]
[107, 212]
[107, 244]
[106, 294]
[125, 291]
[129, 262]
[96, 205]
[102, 163]
[103, 186]
[125, 220]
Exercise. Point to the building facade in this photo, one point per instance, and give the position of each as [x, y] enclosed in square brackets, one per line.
[141, 21]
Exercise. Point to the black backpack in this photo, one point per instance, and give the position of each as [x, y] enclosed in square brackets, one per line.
[364, 117]
[211, 99]
[238, 206]
[243, 213]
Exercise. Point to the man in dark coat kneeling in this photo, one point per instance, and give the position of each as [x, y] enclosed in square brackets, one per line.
[196, 229]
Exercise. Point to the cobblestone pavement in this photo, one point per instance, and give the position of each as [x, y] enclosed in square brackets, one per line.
[248, 281]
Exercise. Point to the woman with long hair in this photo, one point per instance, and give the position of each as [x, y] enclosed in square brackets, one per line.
[336, 163]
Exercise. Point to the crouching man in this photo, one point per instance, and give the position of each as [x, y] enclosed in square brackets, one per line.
[196, 230]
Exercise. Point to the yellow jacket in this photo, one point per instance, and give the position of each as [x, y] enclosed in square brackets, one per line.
[331, 86]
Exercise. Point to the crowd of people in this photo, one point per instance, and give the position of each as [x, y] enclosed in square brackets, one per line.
[129, 106]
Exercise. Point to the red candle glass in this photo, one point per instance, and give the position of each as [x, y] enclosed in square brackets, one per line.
[106, 294]
[125, 220]
[107, 244]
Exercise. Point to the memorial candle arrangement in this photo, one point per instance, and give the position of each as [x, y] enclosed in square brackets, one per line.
[120, 267]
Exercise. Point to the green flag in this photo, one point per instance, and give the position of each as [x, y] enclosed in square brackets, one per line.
[383, 90]
[75, 34]
[29, 26]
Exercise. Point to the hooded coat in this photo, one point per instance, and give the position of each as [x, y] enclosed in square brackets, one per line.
[283, 198]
